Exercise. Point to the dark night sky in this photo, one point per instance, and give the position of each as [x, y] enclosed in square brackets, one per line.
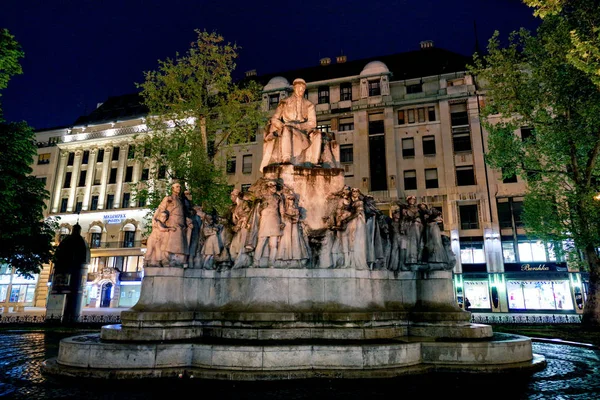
[79, 52]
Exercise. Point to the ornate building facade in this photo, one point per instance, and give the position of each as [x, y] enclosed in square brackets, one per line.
[406, 125]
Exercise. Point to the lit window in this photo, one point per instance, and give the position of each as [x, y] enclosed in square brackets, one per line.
[346, 91]
[44, 158]
[323, 94]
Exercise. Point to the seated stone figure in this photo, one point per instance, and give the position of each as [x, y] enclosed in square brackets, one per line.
[290, 136]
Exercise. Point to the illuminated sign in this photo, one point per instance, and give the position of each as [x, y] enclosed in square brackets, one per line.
[114, 218]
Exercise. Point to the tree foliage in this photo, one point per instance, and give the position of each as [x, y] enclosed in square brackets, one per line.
[531, 83]
[25, 237]
[195, 112]
[583, 19]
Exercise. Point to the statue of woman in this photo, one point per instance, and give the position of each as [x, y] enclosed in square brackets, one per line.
[176, 243]
[293, 250]
[413, 223]
[357, 233]
[212, 241]
[434, 248]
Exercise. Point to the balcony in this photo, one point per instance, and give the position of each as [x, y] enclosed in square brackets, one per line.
[117, 245]
[130, 276]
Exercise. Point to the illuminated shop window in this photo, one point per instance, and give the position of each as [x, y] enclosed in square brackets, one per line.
[478, 293]
[539, 295]
[472, 251]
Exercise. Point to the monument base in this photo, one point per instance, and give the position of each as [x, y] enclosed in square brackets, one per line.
[88, 356]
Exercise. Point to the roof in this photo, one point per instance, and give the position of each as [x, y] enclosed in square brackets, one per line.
[413, 64]
[115, 108]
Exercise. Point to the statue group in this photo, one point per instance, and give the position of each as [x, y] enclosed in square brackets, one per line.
[266, 226]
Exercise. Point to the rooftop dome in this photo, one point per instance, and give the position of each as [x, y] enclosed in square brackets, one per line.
[374, 68]
[277, 83]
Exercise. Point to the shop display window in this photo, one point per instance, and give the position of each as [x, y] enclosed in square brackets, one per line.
[3, 293]
[478, 293]
[539, 295]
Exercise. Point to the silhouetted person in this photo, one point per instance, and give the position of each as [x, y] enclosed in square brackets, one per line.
[70, 262]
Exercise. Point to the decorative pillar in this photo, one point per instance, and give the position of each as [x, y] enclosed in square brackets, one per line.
[89, 179]
[60, 178]
[105, 171]
[74, 180]
[120, 173]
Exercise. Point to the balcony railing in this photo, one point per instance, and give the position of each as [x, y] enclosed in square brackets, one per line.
[130, 276]
[116, 245]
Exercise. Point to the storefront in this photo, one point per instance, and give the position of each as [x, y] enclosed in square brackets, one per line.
[16, 290]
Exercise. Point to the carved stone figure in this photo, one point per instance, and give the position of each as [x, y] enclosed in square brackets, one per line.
[270, 225]
[176, 244]
[155, 256]
[293, 250]
[212, 242]
[357, 232]
[240, 212]
[290, 135]
[434, 248]
[396, 233]
[413, 223]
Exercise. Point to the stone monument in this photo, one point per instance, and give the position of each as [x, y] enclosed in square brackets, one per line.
[305, 277]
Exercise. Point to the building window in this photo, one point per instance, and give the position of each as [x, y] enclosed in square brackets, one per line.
[461, 141]
[131, 152]
[421, 114]
[145, 174]
[411, 116]
[43, 158]
[129, 174]
[115, 154]
[323, 94]
[428, 145]
[67, 183]
[472, 250]
[113, 176]
[110, 201]
[416, 88]
[346, 124]
[247, 164]
[346, 154]
[97, 174]
[71, 158]
[141, 200]
[86, 156]
[126, 198]
[465, 176]
[509, 179]
[401, 120]
[78, 206]
[128, 239]
[63, 205]
[346, 91]
[231, 164]
[408, 148]
[245, 187]
[273, 101]
[504, 215]
[469, 217]
[82, 176]
[100, 157]
[376, 127]
[527, 133]
[539, 294]
[43, 180]
[431, 178]
[162, 172]
[147, 150]
[431, 113]
[517, 211]
[95, 239]
[410, 180]
[374, 88]
[459, 115]
[94, 205]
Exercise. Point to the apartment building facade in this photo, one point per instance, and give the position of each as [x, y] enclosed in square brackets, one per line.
[406, 124]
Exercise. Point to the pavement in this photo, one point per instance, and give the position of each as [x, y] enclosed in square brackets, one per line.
[39, 311]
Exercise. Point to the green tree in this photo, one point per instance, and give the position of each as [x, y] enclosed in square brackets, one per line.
[196, 111]
[583, 19]
[531, 83]
[25, 237]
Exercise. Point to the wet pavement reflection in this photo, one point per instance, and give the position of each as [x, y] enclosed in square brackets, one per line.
[572, 372]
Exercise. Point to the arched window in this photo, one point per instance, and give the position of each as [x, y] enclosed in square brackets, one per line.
[129, 235]
[95, 236]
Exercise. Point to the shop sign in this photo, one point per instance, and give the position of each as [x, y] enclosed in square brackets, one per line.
[535, 267]
[114, 218]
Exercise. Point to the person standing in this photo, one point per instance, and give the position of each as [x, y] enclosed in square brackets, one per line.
[270, 224]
